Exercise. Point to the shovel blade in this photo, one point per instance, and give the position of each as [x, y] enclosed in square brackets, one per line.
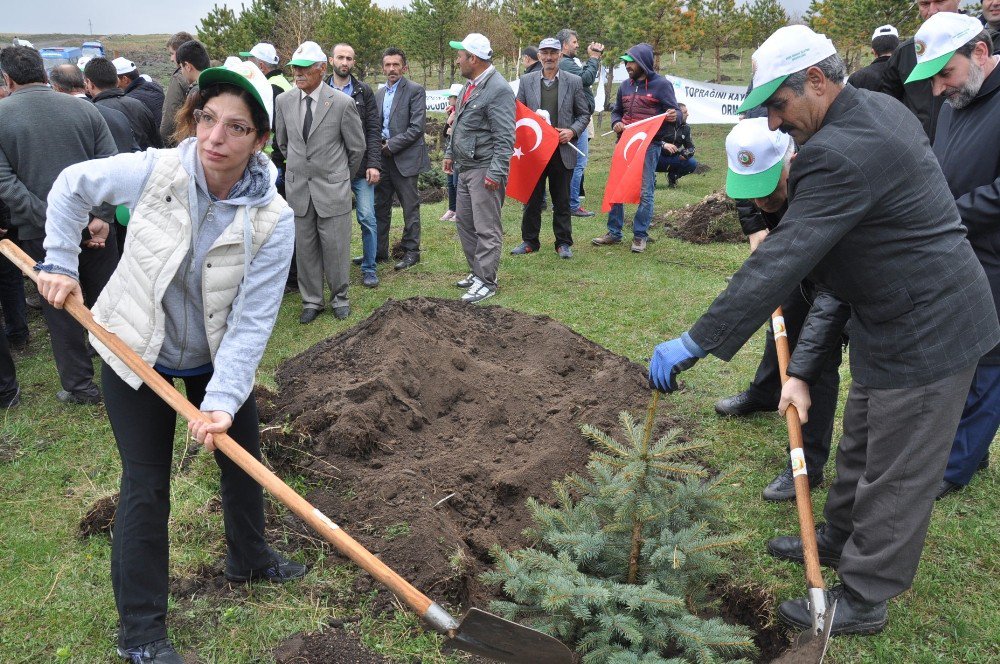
[485, 634]
[810, 647]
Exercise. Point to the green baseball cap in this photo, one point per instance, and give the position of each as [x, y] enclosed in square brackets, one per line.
[245, 75]
[756, 156]
[627, 58]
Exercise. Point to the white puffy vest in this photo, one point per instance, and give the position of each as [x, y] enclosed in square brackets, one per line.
[159, 236]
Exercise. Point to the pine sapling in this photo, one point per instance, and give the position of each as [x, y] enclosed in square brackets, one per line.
[625, 555]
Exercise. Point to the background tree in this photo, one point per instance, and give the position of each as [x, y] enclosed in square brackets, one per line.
[762, 18]
[363, 25]
[429, 26]
[720, 25]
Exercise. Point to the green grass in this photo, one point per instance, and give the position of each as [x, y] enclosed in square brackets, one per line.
[55, 594]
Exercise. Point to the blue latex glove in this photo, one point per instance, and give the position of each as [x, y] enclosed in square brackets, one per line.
[670, 358]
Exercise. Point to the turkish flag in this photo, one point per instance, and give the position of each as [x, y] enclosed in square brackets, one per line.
[534, 142]
[625, 178]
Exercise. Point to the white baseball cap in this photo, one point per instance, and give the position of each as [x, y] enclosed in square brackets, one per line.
[937, 40]
[476, 44]
[455, 89]
[550, 42]
[264, 52]
[885, 31]
[308, 53]
[756, 156]
[245, 75]
[788, 50]
[123, 66]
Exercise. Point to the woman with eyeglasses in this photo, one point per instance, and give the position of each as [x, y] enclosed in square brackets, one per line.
[196, 295]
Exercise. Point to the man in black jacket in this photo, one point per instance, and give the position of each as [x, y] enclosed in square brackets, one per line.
[363, 182]
[967, 145]
[529, 59]
[68, 79]
[888, 248]
[917, 95]
[677, 156]
[759, 161]
[588, 74]
[140, 87]
[885, 41]
[101, 83]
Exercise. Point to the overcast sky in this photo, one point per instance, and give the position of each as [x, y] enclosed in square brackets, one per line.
[143, 17]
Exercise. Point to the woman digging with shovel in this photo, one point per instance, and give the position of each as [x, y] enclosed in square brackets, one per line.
[196, 295]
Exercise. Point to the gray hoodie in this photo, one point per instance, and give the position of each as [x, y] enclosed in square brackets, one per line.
[120, 180]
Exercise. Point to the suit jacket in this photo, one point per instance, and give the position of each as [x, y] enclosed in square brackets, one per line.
[482, 135]
[574, 108]
[320, 170]
[407, 120]
[871, 219]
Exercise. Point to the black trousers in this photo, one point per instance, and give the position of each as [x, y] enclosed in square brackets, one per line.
[391, 184]
[69, 341]
[558, 177]
[15, 314]
[766, 386]
[143, 425]
[8, 376]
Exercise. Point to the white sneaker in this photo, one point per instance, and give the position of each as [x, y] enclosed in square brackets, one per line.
[448, 216]
[466, 282]
[478, 292]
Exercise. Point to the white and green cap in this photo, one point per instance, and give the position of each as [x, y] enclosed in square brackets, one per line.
[245, 75]
[307, 54]
[790, 49]
[756, 156]
[938, 39]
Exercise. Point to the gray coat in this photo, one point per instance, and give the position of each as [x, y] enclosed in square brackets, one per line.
[321, 169]
[407, 121]
[871, 219]
[482, 135]
[41, 133]
[574, 109]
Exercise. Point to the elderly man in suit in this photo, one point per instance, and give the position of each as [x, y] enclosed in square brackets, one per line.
[319, 131]
[887, 247]
[402, 106]
[560, 94]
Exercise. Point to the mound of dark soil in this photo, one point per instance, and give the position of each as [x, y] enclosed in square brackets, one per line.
[712, 220]
[435, 421]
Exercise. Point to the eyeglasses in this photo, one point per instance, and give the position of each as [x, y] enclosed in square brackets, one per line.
[233, 129]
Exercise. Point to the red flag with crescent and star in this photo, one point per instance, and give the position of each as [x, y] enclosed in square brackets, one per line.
[625, 178]
[534, 142]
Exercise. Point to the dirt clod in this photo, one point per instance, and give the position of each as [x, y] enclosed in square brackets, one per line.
[712, 220]
[332, 646]
[100, 518]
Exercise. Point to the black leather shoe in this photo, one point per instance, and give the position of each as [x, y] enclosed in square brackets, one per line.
[280, 570]
[358, 260]
[157, 652]
[782, 487]
[830, 546]
[742, 404]
[340, 313]
[409, 260]
[369, 280]
[853, 616]
[945, 488]
[308, 315]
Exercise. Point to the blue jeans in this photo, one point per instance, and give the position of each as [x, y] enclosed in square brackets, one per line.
[978, 426]
[674, 165]
[364, 206]
[583, 143]
[640, 223]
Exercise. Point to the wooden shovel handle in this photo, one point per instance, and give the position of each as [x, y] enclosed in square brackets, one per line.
[331, 532]
[803, 500]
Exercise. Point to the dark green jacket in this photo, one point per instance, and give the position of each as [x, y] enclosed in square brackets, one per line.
[587, 74]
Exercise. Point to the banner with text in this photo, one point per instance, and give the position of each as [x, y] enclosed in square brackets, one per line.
[708, 103]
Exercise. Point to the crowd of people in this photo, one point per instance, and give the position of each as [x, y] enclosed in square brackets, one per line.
[869, 220]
